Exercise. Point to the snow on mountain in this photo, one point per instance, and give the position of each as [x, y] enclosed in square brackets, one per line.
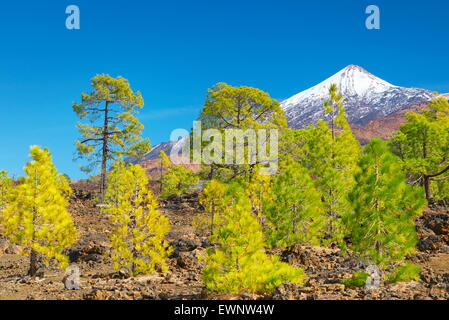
[366, 98]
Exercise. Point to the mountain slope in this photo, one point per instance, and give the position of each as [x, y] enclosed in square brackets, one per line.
[374, 107]
[366, 98]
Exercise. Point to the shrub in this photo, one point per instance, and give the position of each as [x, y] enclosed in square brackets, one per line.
[407, 272]
[358, 280]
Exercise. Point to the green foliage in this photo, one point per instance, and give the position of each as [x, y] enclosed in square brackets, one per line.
[67, 177]
[112, 131]
[330, 152]
[165, 160]
[239, 262]
[295, 211]
[5, 188]
[244, 108]
[214, 203]
[357, 280]
[259, 190]
[382, 223]
[139, 228]
[440, 189]
[177, 181]
[407, 272]
[36, 216]
[19, 181]
[423, 145]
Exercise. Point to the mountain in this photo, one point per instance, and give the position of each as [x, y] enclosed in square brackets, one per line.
[366, 98]
[374, 107]
[156, 150]
[152, 164]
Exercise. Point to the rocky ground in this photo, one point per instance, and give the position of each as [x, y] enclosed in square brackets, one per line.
[325, 267]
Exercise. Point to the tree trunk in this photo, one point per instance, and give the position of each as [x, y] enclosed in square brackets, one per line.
[33, 263]
[427, 187]
[104, 160]
[211, 172]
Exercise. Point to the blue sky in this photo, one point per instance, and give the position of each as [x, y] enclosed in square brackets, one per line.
[173, 51]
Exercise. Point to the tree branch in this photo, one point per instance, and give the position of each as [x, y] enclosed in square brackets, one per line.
[439, 179]
[439, 173]
[92, 139]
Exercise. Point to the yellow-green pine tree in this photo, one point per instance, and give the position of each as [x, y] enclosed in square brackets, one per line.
[382, 223]
[36, 216]
[259, 189]
[332, 153]
[423, 145]
[243, 108]
[294, 211]
[239, 262]
[165, 164]
[213, 201]
[112, 130]
[177, 179]
[5, 188]
[139, 228]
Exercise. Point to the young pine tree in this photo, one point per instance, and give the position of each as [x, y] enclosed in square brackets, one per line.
[214, 203]
[331, 153]
[139, 228]
[382, 223]
[5, 188]
[165, 164]
[175, 179]
[295, 212]
[36, 216]
[239, 262]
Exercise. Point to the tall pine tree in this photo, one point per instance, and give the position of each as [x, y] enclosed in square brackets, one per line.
[331, 152]
[385, 206]
[245, 109]
[112, 130]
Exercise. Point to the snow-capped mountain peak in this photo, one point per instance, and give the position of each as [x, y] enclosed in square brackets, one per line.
[366, 97]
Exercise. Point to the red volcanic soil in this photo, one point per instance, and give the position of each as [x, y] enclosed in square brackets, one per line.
[383, 127]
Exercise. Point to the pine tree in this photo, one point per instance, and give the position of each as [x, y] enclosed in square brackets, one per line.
[239, 262]
[259, 190]
[5, 188]
[331, 153]
[37, 217]
[242, 108]
[423, 145]
[214, 203]
[295, 211]
[112, 131]
[165, 164]
[382, 223]
[177, 179]
[138, 227]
